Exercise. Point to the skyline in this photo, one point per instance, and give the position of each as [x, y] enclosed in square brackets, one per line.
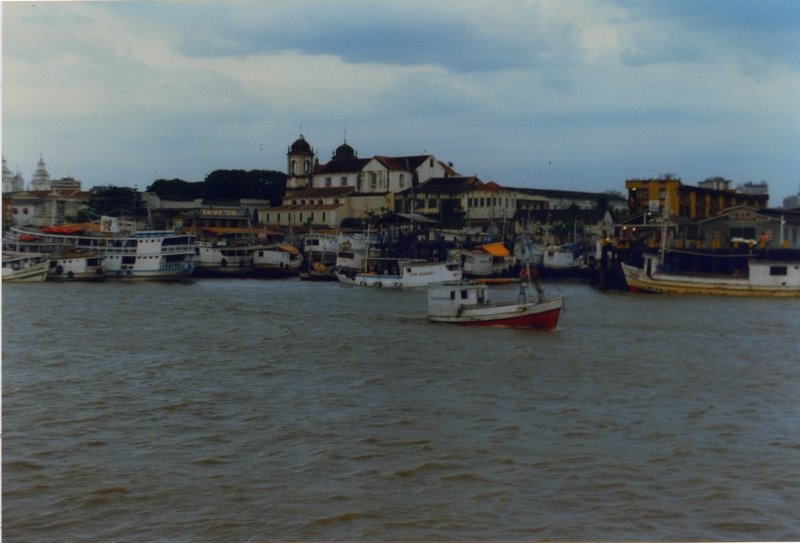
[573, 95]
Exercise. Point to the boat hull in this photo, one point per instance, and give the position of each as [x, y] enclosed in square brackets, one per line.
[539, 315]
[37, 273]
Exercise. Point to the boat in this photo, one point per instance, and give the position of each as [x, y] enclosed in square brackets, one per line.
[75, 266]
[487, 260]
[148, 255]
[24, 267]
[319, 257]
[527, 252]
[218, 259]
[279, 260]
[749, 276]
[566, 258]
[468, 303]
[405, 274]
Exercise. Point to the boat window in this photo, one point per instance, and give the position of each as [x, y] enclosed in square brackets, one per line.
[464, 294]
[452, 294]
[778, 270]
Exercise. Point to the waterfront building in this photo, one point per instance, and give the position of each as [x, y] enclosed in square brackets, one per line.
[706, 200]
[323, 195]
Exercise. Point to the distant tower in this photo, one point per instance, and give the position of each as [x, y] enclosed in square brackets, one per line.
[344, 152]
[41, 179]
[300, 164]
[11, 182]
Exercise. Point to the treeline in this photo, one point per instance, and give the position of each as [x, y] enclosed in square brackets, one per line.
[225, 184]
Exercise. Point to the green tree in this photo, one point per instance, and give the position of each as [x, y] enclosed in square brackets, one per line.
[115, 201]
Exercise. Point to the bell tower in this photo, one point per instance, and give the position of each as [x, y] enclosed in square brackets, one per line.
[299, 164]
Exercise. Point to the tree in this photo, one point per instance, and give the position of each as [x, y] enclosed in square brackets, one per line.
[115, 201]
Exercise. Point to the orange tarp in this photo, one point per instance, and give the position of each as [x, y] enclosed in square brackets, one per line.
[495, 249]
[291, 249]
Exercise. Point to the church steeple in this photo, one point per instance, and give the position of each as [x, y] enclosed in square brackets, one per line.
[41, 179]
[300, 164]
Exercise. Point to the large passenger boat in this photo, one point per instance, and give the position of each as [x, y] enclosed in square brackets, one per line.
[149, 255]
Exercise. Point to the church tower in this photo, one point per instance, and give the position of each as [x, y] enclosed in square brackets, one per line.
[300, 164]
[41, 179]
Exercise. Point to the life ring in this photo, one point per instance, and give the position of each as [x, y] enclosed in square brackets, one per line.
[396, 284]
[362, 283]
[223, 263]
[189, 267]
[70, 274]
[98, 271]
[377, 284]
[129, 273]
[59, 270]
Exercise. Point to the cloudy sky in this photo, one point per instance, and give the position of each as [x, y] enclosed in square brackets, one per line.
[562, 94]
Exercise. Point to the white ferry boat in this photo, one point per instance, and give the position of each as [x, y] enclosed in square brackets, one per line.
[149, 255]
[410, 274]
[222, 260]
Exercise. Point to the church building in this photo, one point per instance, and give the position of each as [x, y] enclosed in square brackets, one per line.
[323, 195]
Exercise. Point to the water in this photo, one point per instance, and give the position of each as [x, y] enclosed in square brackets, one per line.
[256, 410]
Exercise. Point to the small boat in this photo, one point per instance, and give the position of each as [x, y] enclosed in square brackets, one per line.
[757, 277]
[409, 274]
[563, 258]
[24, 267]
[468, 303]
[319, 257]
[488, 260]
[75, 267]
[281, 260]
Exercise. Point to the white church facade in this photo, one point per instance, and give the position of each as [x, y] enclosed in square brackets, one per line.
[346, 186]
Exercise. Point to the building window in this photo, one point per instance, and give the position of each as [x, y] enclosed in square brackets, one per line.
[430, 163]
[373, 179]
[306, 166]
[402, 180]
[323, 216]
[328, 182]
[292, 165]
[343, 181]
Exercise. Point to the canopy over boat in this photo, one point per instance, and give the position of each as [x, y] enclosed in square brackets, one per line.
[495, 249]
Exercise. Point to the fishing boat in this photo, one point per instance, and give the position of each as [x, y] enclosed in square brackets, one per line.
[468, 303]
[563, 259]
[279, 260]
[405, 274]
[749, 276]
[319, 257]
[24, 267]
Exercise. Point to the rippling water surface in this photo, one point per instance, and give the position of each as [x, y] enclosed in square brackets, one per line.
[252, 410]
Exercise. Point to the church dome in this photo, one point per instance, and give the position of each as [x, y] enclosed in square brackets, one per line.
[300, 145]
[344, 151]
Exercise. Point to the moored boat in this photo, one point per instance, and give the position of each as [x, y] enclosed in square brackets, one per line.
[24, 267]
[468, 303]
[407, 274]
[75, 267]
[280, 260]
[753, 277]
[224, 260]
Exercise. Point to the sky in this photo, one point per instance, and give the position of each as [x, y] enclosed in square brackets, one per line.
[553, 94]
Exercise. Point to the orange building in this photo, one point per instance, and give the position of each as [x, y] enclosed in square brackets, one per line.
[694, 203]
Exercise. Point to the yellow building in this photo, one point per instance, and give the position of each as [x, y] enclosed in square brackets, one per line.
[695, 203]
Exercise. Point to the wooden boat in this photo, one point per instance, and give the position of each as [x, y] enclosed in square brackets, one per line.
[408, 274]
[488, 260]
[468, 303]
[24, 267]
[767, 277]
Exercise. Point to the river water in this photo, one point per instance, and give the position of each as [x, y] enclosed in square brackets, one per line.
[258, 410]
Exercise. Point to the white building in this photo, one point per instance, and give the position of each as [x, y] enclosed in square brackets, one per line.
[346, 186]
[12, 182]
